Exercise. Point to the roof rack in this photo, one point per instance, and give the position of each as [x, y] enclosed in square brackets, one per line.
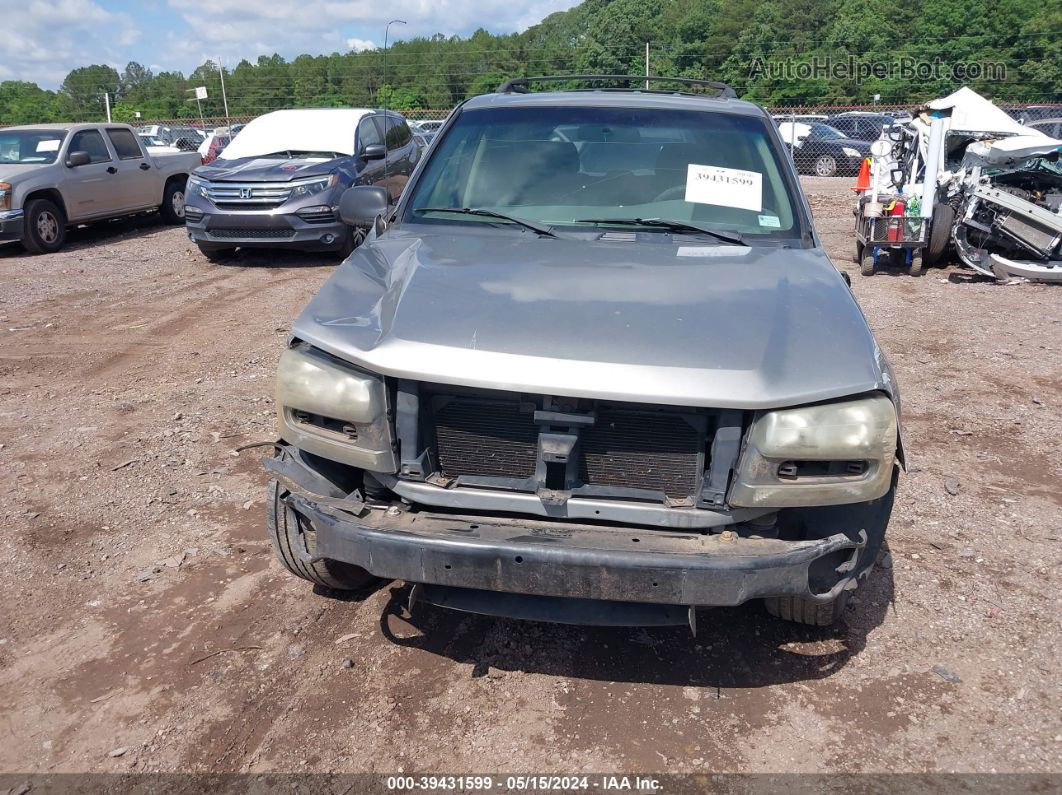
[520, 85]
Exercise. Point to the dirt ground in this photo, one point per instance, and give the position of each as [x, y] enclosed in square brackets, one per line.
[145, 625]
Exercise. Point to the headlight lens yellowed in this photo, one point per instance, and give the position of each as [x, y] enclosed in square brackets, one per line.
[859, 432]
[334, 410]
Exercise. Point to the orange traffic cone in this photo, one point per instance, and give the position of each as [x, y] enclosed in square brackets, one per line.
[863, 178]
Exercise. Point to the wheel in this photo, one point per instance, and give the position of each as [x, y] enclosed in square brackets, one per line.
[915, 268]
[866, 262]
[45, 227]
[352, 241]
[290, 533]
[858, 258]
[939, 233]
[216, 253]
[172, 207]
[825, 166]
[807, 611]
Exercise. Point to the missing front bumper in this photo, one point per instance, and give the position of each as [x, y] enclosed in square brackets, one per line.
[575, 561]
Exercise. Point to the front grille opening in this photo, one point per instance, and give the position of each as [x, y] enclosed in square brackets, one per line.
[256, 234]
[642, 450]
[486, 438]
[650, 450]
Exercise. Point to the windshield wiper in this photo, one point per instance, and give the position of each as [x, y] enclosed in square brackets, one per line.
[664, 223]
[542, 230]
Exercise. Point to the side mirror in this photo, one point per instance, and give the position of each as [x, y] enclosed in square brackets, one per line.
[79, 158]
[374, 152]
[361, 205]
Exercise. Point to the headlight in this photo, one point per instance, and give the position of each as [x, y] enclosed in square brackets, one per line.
[851, 152]
[832, 454]
[196, 187]
[5, 196]
[312, 186]
[333, 410]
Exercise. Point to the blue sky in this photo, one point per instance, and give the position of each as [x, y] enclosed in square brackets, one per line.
[45, 39]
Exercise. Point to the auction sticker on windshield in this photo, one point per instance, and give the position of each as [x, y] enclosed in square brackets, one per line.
[725, 187]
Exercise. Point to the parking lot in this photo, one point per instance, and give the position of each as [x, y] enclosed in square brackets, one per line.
[146, 625]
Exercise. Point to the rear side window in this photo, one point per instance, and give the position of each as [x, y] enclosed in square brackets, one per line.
[398, 133]
[124, 144]
[92, 142]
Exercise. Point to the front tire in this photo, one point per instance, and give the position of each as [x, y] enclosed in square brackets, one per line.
[292, 534]
[807, 611]
[172, 207]
[939, 233]
[45, 227]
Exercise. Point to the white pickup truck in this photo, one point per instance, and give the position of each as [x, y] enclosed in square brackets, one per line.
[53, 176]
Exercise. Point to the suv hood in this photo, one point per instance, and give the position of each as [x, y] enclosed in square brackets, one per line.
[661, 321]
[265, 169]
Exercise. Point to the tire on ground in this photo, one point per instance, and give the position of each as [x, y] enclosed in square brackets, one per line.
[45, 230]
[290, 533]
[172, 207]
[939, 233]
[807, 611]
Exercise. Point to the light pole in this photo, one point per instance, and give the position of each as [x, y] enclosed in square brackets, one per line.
[386, 29]
[385, 102]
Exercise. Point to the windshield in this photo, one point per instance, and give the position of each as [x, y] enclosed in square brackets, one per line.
[585, 166]
[30, 146]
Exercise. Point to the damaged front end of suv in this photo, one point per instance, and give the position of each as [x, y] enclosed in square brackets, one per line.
[1009, 222]
[564, 380]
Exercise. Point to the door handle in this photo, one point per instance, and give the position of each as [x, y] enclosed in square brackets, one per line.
[112, 170]
[144, 166]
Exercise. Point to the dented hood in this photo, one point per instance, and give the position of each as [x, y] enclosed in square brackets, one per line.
[678, 321]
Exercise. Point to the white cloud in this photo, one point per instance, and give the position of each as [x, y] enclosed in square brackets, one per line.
[45, 39]
[313, 25]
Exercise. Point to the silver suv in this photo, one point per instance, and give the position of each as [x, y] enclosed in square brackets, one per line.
[595, 366]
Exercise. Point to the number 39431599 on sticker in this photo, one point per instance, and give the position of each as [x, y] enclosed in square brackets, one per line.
[725, 187]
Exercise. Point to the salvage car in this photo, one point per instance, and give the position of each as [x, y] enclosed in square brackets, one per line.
[278, 183]
[53, 176]
[821, 150]
[991, 187]
[545, 390]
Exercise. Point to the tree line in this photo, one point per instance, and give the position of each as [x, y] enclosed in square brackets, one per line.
[729, 40]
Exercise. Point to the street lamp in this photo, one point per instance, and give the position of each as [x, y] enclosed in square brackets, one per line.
[385, 103]
[386, 29]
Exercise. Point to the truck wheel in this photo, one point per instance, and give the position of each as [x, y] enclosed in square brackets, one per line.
[939, 233]
[172, 207]
[216, 253]
[915, 268]
[290, 533]
[45, 230]
[807, 611]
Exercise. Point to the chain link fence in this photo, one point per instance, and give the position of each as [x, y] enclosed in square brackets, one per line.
[823, 140]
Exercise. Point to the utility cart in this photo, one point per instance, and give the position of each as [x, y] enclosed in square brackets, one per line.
[900, 237]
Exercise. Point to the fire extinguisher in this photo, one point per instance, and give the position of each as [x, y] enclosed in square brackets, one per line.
[896, 210]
